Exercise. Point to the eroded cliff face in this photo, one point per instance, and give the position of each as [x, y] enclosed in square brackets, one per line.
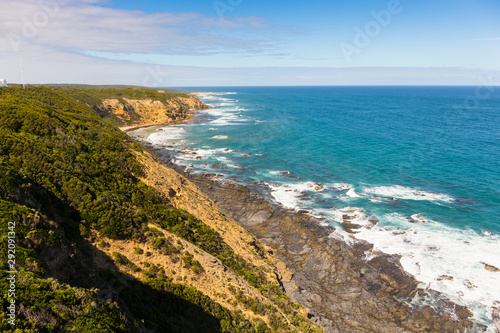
[142, 112]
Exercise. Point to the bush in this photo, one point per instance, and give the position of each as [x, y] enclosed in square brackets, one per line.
[123, 260]
[191, 263]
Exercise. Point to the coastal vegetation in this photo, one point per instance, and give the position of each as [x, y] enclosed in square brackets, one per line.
[127, 106]
[72, 191]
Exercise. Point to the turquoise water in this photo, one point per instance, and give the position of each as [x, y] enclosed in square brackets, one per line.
[424, 162]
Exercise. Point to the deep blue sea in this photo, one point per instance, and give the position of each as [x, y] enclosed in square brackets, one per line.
[417, 167]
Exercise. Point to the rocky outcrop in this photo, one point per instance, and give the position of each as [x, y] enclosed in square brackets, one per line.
[343, 292]
[135, 113]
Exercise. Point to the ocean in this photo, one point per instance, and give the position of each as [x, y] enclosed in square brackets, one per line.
[417, 168]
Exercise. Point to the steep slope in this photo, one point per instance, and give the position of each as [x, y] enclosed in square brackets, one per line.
[134, 107]
[96, 248]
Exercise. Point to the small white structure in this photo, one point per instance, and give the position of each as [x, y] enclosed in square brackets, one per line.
[3, 83]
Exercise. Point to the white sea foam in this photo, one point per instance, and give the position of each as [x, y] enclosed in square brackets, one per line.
[182, 163]
[226, 112]
[227, 162]
[356, 215]
[290, 195]
[352, 194]
[277, 172]
[443, 258]
[341, 186]
[228, 119]
[220, 137]
[446, 259]
[212, 152]
[417, 218]
[407, 193]
[171, 135]
[213, 96]
[201, 154]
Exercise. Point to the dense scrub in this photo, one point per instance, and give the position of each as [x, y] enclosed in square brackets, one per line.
[93, 97]
[56, 150]
[64, 171]
[47, 305]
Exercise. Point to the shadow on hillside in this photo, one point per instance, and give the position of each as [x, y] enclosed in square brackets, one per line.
[156, 304]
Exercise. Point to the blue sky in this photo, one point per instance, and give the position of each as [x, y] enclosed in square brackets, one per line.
[236, 42]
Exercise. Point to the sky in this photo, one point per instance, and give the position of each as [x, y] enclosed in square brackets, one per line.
[251, 42]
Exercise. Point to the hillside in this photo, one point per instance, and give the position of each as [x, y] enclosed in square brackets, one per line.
[107, 238]
[131, 107]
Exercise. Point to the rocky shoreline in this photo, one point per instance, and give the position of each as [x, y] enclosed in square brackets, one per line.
[343, 291]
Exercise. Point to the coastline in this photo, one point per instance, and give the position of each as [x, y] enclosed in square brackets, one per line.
[191, 114]
[127, 129]
[343, 291]
[330, 277]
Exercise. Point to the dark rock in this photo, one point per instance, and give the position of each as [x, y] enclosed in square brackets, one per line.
[350, 227]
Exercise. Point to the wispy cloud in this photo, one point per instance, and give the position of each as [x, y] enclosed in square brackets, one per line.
[86, 25]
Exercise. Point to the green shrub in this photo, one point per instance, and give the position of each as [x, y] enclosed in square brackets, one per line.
[123, 260]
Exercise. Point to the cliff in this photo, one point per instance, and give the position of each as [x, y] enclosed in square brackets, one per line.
[135, 113]
[130, 108]
[103, 237]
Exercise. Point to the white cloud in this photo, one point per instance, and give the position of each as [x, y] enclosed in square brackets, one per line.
[64, 67]
[84, 25]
